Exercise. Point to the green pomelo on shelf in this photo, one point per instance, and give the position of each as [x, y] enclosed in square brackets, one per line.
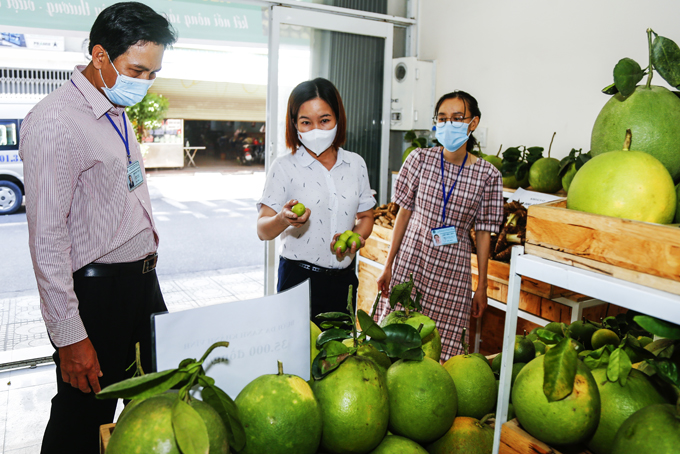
[604, 336]
[544, 175]
[570, 420]
[147, 427]
[482, 357]
[394, 444]
[582, 332]
[429, 334]
[654, 429]
[511, 182]
[279, 415]
[568, 177]
[516, 368]
[555, 327]
[493, 160]
[625, 184]
[432, 345]
[540, 348]
[475, 385]
[466, 436]
[652, 114]
[496, 363]
[618, 403]
[354, 406]
[369, 351]
[525, 350]
[314, 333]
[423, 399]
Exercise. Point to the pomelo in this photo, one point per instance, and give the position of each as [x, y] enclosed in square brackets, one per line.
[423, 399]
[475, 385]
[525, 350]
[618, 403]
[494, 161]
[570, 420]
[314, 333]
[544, 175]
[147, 427]
[432, 341]
[393, 444]
[511, 182]
[583, 332]
[568, 177]
[603, 337]
[354, 406]
[625, 184]
[652, 429]
[652, 114]
[466, 436]
[369, 351]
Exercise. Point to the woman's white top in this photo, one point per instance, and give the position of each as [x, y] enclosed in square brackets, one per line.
[334, 198]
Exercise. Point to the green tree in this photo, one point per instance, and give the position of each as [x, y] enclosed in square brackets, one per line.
[148, 113]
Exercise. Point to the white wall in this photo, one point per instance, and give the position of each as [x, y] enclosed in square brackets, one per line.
[537, 66]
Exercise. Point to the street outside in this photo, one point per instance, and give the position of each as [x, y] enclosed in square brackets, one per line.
[208, 253]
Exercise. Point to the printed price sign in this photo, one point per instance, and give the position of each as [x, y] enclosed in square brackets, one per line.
[528, 198]
[260, 332]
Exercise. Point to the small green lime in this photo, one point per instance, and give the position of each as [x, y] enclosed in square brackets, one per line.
[604, 336]
[340, 244]
[354, 239]
[299, 209]
[344, 236]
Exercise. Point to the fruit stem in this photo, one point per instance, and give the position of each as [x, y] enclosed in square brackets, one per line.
[420, 328]
[280, 367]
[462, 341]
[551, 142]
[628, 140]
[651, 67]
[525, 334]
[483, 420]
[499, 150]
[138, 359]
[406, 311]
[211, 348]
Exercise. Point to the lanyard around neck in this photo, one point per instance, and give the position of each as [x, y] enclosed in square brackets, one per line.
[448, 196]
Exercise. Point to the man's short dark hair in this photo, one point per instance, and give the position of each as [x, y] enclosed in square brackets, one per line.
[122, 25]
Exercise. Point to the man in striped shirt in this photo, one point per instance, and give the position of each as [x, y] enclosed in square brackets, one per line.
[92, 237]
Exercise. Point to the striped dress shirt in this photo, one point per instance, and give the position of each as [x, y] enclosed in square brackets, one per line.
[78, 204]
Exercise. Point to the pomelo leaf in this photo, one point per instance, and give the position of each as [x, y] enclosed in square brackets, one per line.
[548, 337]
[414, 354]
[610, 90]
[143, 386]
[226, 408]
[559, 370]
[534, 154]
[512, 154]
[667, 370]
[332, 335]
[599, 357]
[191, 434]
[508, 168]
[400, 339]
[369, 326]
[335, 324]
[421, 141]
[329, 358]
[666, 59]
[627, 74]
[658, 327]
[419, 319]
[662, 348]
[333, 316]
[522, 170]
[409, 136]
[619, 367]
[401, 293]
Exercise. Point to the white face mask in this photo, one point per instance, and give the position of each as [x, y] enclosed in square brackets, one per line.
[318, 140]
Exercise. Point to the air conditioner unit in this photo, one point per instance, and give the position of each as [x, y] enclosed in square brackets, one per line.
[413, 85]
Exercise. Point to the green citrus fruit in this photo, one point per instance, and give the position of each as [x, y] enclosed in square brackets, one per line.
[406, 153]
[568, 177]
[653, 116]
[524, 350]
[482, 357]
[299, 209]
[348, 232]
[355, 238]
[512, 183]
[432, 341]
[147, 428]
[603, 337]
[624, 184]
[582, 332]
[494, 161]
[644, 341]
[475, 385]
[369, 351]
[393, 444]
[466, 436]
[354, 406]
[423, 399]
[344, 236]
[570, 420]
[496, 363]
[340, 244]
[618, 403]
[516, 368]
[544, 175]
[314, 333]
[555, 327]
[652, 429]
[280, 415]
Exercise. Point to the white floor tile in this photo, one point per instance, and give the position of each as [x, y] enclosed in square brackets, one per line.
[29, 410]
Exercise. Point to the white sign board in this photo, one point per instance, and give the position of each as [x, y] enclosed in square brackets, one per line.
[260, 332]
[528, 198]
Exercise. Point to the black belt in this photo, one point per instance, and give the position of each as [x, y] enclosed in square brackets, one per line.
[320, 269]
[118, 269]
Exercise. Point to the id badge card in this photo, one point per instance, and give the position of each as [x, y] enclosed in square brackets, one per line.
[444, 236]
[134, 176]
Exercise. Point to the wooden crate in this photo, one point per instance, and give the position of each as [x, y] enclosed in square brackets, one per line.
[640, 252]
[105, 432]
[368, 286]
[515, 440]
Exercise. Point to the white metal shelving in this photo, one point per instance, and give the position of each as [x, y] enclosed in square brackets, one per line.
[648, 300]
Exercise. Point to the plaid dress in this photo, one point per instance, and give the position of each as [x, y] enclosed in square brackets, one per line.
[442, 274]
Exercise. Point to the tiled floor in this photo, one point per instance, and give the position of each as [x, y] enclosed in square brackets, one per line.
[25, 394]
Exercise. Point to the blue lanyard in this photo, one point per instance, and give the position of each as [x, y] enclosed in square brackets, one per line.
[125, 140]
[447, 197]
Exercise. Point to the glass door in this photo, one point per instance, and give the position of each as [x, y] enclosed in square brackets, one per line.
[356, 55]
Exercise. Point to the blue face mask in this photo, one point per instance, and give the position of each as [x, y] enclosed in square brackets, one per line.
[127, 91]
[452, 134]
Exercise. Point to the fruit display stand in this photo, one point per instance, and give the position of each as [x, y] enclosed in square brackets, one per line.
[105, 431]
[652, 301]
[515, 440]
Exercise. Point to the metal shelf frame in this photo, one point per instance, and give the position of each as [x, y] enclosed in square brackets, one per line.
[650, 301]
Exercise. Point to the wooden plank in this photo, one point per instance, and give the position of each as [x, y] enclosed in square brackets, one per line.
[382, 232]
[639, 246]
[105, 431]
[515, 440]
[368, 286]
[375, 249]
[636, 277]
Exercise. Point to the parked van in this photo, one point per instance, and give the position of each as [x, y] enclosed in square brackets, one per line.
[11, 166]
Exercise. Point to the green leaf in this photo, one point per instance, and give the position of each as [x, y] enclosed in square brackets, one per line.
[417, 320]
[226, 408]
[667, 370]
[582, 159]
[143, 386]
[522, 170]
[619, 366]
[416, 304]
[421, 142]
[610, 90]
[534, 154]
[559, 370]
[548, 337]
[332, 335]
[191, 434]
[335, 324]
[400, 338]
[329, 358]
[401, 293]
[369, 326]
[333, 316]
[599, 357]
[508, 168]
[409, 136]
[658, 327]
[565, 163]
[512, 154]
[666, 59]
[627, 74]
[414, 354]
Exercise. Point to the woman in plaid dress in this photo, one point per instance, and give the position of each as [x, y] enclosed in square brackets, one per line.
[442, 272]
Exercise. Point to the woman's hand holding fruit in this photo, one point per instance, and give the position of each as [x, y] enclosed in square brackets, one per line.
[289, 213]
[345, 243]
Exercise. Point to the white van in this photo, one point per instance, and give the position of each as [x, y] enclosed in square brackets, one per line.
[11, 166]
